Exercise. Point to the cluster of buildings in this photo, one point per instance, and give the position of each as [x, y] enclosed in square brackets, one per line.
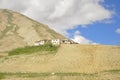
[54, 42]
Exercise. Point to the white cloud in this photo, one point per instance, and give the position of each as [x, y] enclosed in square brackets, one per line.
[81, 40]
[60, 15]
[118, 31]
[16, 5]
[61, 9]
[77, 32]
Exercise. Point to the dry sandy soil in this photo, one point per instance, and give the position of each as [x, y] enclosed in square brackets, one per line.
[87, 59]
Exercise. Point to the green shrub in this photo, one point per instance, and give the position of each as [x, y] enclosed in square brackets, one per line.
[1, 76]
[33, 49]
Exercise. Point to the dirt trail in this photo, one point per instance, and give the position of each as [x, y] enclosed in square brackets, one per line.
[69, 58]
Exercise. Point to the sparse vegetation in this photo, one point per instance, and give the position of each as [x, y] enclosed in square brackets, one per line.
[113, 71]
[31, 75]
[1, 76]
[23, 75]
[61, 76]
[34, 49]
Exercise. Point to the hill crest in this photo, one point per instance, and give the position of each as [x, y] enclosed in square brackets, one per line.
[17, 30]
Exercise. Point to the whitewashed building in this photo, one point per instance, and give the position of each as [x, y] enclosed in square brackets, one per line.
[66, 41]
[41, 42]
[56, 41]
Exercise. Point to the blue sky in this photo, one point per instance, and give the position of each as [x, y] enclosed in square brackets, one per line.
[102, 32]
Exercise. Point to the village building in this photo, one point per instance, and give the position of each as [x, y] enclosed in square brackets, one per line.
[56, 41]
[72, 42]
[65, 41]
[41, 42]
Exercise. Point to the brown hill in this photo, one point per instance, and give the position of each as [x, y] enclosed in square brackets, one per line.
[17, 30]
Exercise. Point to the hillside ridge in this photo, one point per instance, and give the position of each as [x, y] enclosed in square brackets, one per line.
[18, 30]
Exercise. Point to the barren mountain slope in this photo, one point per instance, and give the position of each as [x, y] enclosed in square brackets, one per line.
[17, 30]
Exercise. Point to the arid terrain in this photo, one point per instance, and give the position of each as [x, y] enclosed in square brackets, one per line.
[68, 62]
[77, 60]
[17, 30]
